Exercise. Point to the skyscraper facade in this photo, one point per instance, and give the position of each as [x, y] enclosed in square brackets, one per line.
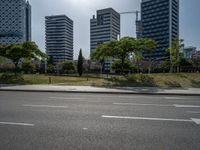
[160, 21]
[15, 21]
[59, 38]
[104, 27]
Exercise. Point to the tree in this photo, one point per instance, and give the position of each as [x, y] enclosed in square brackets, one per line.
[28, 67]
[196, 62]
[2, 50]
[128, 66]
[67, 66]
[116, 49]
[103, 53]
[50, 60]
[80, 63]
[17, 52]
[148, 46]
[50, 68]
[123, 49]
[174, 52]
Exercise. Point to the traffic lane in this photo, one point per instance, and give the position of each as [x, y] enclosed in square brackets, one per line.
[41, 111]
[101, 134]
[74, 121]
[39, 96]
[19, 109]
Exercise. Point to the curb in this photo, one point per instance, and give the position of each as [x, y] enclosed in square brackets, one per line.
[100, 92]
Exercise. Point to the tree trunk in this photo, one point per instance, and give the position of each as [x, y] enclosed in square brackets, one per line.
[16, 68]
[122, 66]
[171, 68]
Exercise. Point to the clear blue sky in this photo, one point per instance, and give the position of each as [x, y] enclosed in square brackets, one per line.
[82, 10]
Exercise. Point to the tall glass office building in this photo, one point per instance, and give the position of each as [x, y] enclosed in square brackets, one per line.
[15, 21]
[59, 38]
[160, 21]
[104, 27]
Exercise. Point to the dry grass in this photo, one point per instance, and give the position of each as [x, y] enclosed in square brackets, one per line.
[184, 80]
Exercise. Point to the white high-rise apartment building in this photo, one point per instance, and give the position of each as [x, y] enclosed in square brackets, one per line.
[15, 21]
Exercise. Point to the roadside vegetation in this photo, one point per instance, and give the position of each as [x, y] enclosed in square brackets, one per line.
[26, 64]
[178, 80]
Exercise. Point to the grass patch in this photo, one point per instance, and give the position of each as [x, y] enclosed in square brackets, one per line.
[184, 80]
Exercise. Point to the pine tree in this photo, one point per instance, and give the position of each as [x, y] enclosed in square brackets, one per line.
[80, 63]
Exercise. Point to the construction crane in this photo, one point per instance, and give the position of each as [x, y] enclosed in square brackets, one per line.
[137, 22]
[132, 12]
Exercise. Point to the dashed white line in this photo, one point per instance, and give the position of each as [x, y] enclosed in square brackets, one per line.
[159, 105]
[68, 98]
[175, 98]
[188, 101]
[17, 124]
[138, 104]
[43, 106]
[194, 112]
[197, 121]
[186, 106]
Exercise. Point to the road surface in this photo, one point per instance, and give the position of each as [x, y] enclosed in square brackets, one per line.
[59, 121]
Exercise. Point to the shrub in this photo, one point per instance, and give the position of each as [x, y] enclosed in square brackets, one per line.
[8, 78]
[141, 80]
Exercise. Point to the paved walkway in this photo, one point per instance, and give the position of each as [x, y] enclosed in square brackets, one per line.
[91, 89]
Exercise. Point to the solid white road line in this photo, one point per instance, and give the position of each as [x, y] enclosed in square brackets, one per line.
[194, 112]
[47, 106]
[17, 124]
[197, 121]
[138, 104]
[186, 106]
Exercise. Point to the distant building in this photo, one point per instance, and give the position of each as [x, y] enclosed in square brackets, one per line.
[160, 21]
[15, 21]
[188, 52]
[138, 29]
[104, 27]
[59, 38]
[196, 55]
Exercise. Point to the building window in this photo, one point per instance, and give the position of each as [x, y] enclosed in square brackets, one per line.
[100, 20]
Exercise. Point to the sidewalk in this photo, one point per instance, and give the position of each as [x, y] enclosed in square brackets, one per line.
[102, 90]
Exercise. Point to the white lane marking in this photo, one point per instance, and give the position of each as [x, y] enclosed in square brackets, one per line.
[194, 112]
[175, 98]
[186, 106]
[137, 104]
[102, 96]
[159, 105]
[188, 101]
[69, 98]
[18, 124]
[47, 106]
[197, 121]
[85, 128]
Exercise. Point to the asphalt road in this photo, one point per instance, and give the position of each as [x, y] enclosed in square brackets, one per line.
[56, 121]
